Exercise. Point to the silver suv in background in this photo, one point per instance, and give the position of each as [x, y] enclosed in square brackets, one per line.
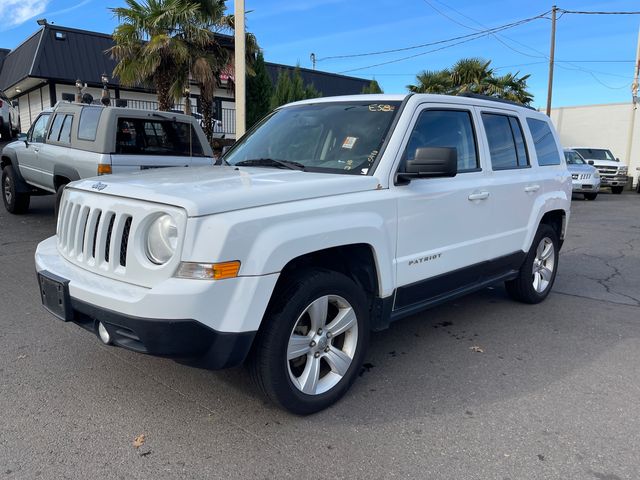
[613, 172]
[75, 141]
[585, 177]
[9, 118]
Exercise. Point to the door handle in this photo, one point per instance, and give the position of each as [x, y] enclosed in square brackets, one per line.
[479, 196]
[531, 188]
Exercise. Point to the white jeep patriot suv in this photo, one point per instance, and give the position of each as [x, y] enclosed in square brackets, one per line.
[332, 217]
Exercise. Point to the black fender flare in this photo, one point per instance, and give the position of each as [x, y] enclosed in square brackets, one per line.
[9, 157]
[66, 172]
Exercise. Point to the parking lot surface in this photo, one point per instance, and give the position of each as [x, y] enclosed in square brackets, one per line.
[481, 388]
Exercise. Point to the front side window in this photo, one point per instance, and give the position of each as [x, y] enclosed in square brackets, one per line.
[139, 136]
[445, 128]
[573, 158]
[38, 130]
[506, 141]
[545, 144]
[338, 137]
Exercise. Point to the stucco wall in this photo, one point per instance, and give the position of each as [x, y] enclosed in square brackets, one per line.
[602, 126]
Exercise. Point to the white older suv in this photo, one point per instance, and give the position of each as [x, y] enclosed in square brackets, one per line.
[9, 118]
[74, 141]
[331, 218]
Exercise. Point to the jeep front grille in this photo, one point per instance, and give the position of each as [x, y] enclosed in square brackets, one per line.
[92, 236]
[103, 234]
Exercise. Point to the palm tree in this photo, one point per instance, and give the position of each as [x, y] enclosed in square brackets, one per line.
[473, 75]
[152, 43]
[433, 81]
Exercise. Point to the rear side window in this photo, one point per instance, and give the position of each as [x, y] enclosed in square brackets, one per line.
[138, 136]
[54, 131]
[546, 148]
[60, 130]
[506, 141]
[88, 126]
[445, 128]
[65, 131]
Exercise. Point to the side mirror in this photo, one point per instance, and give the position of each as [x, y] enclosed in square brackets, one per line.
[617, 159]
[22, 137]
[591, 162]
[431, 162]
[15, 103]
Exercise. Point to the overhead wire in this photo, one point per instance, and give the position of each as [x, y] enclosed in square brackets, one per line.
[470, 36]
[542, 55]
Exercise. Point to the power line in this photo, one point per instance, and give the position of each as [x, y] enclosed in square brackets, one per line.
[596, 13]
[542, 55]
[471, 36]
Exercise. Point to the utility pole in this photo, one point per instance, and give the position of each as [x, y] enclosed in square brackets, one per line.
[551, 57]
[634, 107]
[313, 60]
[240, 68]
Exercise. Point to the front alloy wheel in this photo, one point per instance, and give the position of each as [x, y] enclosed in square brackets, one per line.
[322, 345]
[312, 340]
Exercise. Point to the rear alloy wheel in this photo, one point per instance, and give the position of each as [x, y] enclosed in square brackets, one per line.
[590, 196]
[617, 190]
[538, 272]
[15, 202]
[312, 342]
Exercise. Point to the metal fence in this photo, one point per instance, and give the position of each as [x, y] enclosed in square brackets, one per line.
[224, 122]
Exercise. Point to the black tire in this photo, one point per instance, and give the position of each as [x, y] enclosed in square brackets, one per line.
[522, 288]
[5, 131]
[56, 207]
[15, 202]
[268, 363]
[590, 196]
[617, 190]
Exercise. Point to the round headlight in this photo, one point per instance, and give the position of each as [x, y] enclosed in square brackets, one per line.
[162, 239]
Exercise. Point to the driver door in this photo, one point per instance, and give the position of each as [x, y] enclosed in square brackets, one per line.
[29, 156]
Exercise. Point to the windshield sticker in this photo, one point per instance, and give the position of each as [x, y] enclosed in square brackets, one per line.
[349, 142]
[372, 156]
[380, 107]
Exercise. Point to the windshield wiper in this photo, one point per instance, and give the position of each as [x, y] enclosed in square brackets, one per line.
[270, 162]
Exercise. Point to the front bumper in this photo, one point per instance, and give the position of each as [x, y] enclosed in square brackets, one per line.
[585, 186]
[618, 181]
[212, 320]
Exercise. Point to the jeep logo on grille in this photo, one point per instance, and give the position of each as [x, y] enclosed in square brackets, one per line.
[99, 186]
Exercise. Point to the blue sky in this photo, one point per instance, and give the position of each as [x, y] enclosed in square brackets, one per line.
[600, 49]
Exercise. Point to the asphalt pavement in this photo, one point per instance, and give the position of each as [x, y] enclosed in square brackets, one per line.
[481, 388]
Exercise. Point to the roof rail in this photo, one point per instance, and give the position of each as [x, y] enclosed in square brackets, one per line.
[494, 99]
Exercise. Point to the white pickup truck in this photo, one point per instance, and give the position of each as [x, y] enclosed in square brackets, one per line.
[330, 218]
[74, 141]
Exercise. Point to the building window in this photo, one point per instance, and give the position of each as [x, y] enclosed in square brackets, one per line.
[68, 97]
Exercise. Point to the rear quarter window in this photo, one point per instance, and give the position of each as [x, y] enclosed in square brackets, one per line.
[88, 126]
[137, 136]
[544, 142]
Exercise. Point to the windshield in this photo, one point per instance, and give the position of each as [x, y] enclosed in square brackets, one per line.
[596, 154]
[340, 137]
[574, 158]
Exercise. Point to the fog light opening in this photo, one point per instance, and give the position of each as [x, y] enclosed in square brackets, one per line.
[104, 334]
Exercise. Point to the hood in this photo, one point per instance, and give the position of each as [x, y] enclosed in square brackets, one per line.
[581, 168]
[605, 163]
[217, 189]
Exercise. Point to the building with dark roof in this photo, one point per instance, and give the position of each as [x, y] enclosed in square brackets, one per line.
[45, 67]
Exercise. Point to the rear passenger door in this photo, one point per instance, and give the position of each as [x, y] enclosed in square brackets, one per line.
[515, 183]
